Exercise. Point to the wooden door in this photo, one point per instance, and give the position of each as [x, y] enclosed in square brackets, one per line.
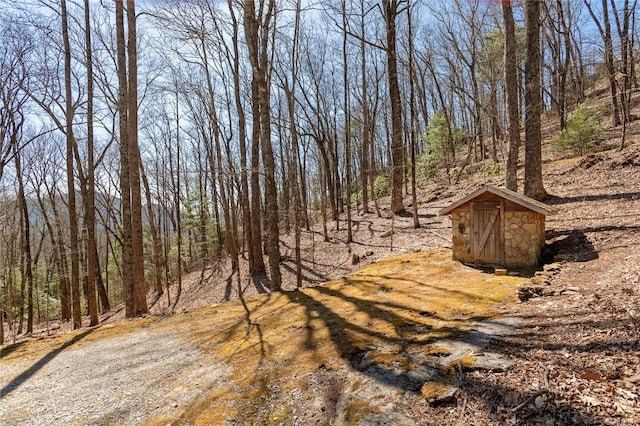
[487, 238]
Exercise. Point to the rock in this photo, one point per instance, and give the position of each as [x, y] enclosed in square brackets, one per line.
[487, 361]
[540, 280]
[441, 391]
[551, 267]
[530, 291]
[355, 259]
[561, 258]
[386, 234]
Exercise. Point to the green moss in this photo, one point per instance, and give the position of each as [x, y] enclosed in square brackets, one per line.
[272, 348]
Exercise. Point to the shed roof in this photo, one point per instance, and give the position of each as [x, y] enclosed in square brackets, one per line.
[527, 202]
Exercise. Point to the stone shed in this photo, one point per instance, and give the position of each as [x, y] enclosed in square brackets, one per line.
[499, 227]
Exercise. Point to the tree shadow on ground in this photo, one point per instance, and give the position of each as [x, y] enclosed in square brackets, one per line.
[505, 405]
[572, 244]
[261, 282]
[28, 373]
[228, 287]
[599, 345]
[356, 343]
[390, 346]
[9, 349]
[384, 333]
[556, 200]
[397, 357]
[309, 275]
[535, 343]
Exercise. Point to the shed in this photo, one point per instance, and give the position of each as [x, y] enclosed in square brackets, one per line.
[496, 226]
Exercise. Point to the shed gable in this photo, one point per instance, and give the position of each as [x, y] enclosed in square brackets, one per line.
[487, 191]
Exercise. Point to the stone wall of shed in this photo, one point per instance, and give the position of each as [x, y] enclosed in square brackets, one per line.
[461, 239]
[523, 237]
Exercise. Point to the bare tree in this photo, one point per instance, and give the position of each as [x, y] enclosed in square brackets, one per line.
[256, 261]
[289, 86]
[391, 9]
[604, 27]
[71, 189]
[258, 26]
[627, 64]
[26, 271]
[132, 258]
[413, 119]
[92, 269]
[14, 76]
[533, 185]
[347, 120]
[511, 92]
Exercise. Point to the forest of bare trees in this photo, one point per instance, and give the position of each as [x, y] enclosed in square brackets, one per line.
[140, 140]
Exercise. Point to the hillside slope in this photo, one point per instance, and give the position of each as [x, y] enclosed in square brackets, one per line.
[575, 351]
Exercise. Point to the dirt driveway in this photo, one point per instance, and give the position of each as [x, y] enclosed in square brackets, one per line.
[128, 379]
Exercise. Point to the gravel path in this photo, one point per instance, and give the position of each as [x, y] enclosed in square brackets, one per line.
[127, 379]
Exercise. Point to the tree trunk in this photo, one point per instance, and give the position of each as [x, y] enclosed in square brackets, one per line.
[366, 139]
[175, 181]
[63, 270]
[73, 215]
[257, 33]
[158, 261]
[413, 118]
[89, 199]
[511, 92]
[137, 245]
[25, 239]
[242, 136]
[103, 292]
[231, 237]
[390, 11]
[623, 34]
[293, 158]
[2, 314]
[347, 123]
[322, 173]
[125, 169]
[256, 205]
[533, 185]
[609, 60]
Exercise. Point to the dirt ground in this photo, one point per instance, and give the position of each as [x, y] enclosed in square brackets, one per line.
[576, 350]
[576, 353]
